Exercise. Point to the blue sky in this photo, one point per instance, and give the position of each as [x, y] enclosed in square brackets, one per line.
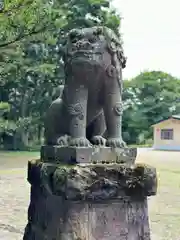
[151, 35]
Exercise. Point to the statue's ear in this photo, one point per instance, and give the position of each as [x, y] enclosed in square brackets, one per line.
[122, 58]
[124, 62]
[112, 47]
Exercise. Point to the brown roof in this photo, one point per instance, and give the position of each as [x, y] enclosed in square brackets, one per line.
[177, 117]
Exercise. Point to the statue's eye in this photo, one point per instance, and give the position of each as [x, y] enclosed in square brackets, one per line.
[72, 37]
[74, 40]
[75, 36]
[98, 31]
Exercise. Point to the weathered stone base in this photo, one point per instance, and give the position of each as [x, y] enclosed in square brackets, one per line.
[58, 154]
[52, 218]
[96, 202]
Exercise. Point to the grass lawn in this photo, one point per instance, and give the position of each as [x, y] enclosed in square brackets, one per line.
[164, 209]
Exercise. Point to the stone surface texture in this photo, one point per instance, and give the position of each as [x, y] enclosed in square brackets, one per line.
[89, 111]
[58, 154]
[92, 202]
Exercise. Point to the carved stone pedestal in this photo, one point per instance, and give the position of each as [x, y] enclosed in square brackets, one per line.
[57, 154]
[92, 202]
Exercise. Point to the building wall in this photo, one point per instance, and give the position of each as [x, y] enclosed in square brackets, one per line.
[162, 144]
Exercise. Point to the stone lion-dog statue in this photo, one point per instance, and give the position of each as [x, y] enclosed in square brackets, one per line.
[89, 111]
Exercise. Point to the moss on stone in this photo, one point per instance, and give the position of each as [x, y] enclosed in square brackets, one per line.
[94, 180]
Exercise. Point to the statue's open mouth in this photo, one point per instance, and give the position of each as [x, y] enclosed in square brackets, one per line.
[86, 57]
[84, 54]
[85, 48]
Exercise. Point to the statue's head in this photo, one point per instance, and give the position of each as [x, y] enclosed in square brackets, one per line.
[91, 43]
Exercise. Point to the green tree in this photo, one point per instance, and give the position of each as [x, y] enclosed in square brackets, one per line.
[23, 18]
[31, 66]
[149, 97]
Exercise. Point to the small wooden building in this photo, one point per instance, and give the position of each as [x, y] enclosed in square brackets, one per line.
[167, 134]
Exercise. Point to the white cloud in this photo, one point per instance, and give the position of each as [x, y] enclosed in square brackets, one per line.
[151, 35]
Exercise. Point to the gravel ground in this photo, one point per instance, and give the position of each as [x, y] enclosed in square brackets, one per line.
[163, 209]
[14, 200]
[14, 197]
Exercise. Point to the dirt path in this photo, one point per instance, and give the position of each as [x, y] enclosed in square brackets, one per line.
[14, 200]
[14, 196]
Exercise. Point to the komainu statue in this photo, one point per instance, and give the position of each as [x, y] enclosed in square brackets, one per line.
[89, 112]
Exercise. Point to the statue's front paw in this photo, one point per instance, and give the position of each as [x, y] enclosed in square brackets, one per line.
[98, 140]
[115, 143]
[63, 140]
[79, 142]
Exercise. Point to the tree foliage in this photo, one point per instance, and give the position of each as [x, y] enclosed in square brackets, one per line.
[149, 98]
[31, 70]
[31, 66]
